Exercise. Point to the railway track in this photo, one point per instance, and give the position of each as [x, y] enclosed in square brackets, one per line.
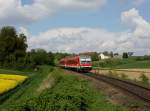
[139, 91]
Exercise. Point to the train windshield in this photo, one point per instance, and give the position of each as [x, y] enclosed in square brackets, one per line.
[85, 60]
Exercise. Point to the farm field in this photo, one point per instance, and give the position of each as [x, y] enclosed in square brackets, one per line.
[52, 89]
[133, 68]
[129, 63]
[130, 73]
[137, 64]
[9, 81]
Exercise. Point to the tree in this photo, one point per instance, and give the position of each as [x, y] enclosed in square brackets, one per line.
[40, 57]
[8, 37]
[21, 46]
[94, 56]
[106, 53]
[58, 56]
[116, 54]
[13, 53]
[125, 55]
[51, 58]
[12, 46]
[111, 54]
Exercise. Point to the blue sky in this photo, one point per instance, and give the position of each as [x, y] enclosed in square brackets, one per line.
[27, 1]
[98, 25]
[107, 17]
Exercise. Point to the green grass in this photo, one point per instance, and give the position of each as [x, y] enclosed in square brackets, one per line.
[136, 64]
[131, 62]
[69, 93]
[8, 71]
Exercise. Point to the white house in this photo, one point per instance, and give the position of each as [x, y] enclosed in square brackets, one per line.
[102, 56]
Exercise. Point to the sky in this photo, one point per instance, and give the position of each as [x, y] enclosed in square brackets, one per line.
[81, 25]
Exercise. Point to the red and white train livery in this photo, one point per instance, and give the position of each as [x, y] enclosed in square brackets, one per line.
[79, 63]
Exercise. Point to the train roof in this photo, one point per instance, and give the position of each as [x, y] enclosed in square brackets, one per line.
[80, 56]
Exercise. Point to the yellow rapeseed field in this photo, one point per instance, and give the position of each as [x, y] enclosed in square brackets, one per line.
[8, 82]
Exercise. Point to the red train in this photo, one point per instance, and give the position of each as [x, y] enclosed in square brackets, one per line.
[79, 63]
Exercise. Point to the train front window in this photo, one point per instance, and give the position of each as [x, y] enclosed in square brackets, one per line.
[85, 60]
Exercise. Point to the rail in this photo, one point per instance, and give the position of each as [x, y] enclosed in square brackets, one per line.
[137, 90]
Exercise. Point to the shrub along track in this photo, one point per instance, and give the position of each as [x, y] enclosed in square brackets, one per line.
[135, 93]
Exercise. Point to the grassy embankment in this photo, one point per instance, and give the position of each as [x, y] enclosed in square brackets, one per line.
[50, 89]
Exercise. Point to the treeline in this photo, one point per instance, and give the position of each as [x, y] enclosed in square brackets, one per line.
[14, 54]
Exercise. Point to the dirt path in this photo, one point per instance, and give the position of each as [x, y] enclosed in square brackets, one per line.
[117, 96]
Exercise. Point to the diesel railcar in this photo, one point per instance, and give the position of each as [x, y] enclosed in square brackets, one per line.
[78, 63]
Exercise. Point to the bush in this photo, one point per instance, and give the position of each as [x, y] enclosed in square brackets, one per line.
[113, 73]
[144, 78]
[124, 76]
[110, 73]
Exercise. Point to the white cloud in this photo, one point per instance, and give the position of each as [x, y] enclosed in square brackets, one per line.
[138, 25]
[14, 12]
[70, 39]
[80, 39]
